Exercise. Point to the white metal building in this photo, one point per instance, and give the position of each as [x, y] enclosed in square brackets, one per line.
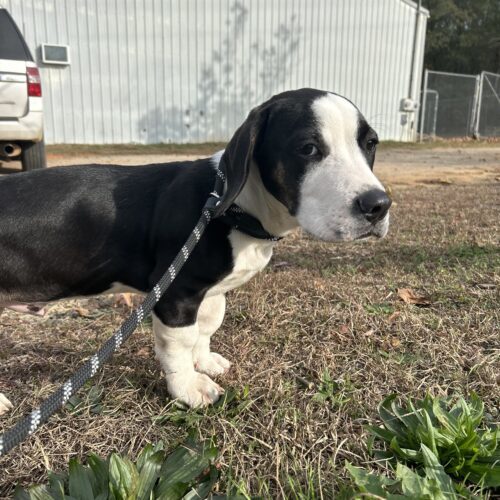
[150, 71]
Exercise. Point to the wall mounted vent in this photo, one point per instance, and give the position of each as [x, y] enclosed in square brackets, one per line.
[55, 54]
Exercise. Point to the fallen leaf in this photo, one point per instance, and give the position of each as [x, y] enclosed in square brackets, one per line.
[409, 296]
[394, 316]
[282, 263]
[344, 329]
[144, 352]
[486, 286]
[395, 342]
[81, 311]
[437, 181]
[124, 299]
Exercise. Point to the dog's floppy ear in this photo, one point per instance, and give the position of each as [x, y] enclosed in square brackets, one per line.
[237, 157]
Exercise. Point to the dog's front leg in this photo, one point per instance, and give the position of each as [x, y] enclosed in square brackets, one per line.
[5, 404]
[174, 349]
[210, 317]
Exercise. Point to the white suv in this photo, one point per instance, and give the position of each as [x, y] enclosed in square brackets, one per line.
[21, 116]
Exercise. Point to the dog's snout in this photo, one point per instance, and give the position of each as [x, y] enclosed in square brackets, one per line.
[374, 205]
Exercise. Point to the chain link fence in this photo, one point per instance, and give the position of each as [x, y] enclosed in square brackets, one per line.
[457, 105]
[488, 110]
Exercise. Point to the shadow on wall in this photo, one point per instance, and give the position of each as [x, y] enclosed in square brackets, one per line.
[222, 101]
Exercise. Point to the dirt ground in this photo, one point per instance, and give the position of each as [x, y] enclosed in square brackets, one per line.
[395, 165]
[317, 340]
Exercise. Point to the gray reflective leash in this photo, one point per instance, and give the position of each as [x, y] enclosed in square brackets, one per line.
[29, 424]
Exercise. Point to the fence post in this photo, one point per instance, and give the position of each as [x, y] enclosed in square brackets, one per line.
[478, 109]
[424, 102]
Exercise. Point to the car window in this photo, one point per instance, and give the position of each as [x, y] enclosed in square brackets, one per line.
[12, 45]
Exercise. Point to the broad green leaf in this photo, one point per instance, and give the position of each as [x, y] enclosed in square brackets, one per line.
[100, 469]
[183, 466]
[381, 433]
[202, 490]
[407, 417]
[434, 470]
[390, 421]
[412, 484]
[367, 482]
[485, 474]
[431, 434]
[56, 485]
[172, 491]
[147, 451]
[446, 419]
[80, 485]
[149, 474]
[123, 477]
[476, 409]
[405, 453]
[33, 493]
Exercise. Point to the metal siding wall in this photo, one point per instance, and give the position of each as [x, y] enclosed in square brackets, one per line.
[153, 71]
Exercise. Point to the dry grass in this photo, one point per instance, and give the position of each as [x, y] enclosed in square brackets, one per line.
[318, 309]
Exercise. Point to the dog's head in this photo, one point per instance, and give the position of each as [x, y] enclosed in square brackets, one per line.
[315, 153]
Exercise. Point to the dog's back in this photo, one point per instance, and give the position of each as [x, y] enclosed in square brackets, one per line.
[66, 231]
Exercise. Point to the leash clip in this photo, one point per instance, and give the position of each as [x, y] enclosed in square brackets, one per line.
[212, 201]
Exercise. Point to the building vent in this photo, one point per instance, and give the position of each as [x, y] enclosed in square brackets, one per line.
[55, 54]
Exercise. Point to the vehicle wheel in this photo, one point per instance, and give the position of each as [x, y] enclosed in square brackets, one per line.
[33, 156]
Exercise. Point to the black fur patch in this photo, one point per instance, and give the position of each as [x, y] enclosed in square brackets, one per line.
[74, 231]
[290, 125]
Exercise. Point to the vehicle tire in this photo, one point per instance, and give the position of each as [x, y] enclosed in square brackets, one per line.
[33, 156]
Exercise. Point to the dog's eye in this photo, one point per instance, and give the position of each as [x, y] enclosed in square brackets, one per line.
[371, 145]
[309, 150]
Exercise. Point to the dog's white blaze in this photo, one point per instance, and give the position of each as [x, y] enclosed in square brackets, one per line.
[250, 256]
[330, 188]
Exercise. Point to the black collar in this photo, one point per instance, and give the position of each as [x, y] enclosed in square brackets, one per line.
[246, 223]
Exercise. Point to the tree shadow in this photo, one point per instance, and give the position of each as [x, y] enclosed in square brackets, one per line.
[222, 100]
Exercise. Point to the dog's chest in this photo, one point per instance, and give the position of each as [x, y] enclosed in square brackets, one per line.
[250, 256]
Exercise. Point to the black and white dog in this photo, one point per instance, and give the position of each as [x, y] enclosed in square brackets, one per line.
[303, 158]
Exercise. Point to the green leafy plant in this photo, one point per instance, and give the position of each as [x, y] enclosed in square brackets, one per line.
[186, 473]
[432, 484]
[379, 309]
[449, 427]
[338, 392]
[231, 405]
[91, 400]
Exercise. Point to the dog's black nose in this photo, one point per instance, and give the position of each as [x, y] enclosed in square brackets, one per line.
[374, 205]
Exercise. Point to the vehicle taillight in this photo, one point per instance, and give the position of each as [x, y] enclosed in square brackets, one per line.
[34, 83]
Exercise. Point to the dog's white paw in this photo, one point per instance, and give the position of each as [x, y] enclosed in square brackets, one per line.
[195, 389]
[212, 364]
[5, 404]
